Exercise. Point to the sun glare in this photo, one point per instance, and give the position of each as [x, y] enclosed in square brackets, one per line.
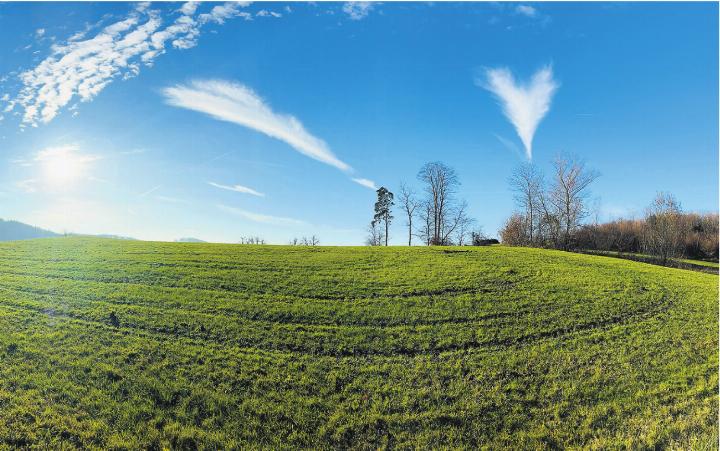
[63, 167]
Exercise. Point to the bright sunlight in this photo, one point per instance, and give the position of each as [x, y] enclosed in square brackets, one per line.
[63, 167]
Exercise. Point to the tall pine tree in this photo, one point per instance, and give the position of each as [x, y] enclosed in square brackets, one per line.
[383, 209]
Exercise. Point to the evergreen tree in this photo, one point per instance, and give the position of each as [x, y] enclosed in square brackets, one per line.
[383, 209]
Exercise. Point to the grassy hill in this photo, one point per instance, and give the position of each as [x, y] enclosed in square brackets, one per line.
[107, 343]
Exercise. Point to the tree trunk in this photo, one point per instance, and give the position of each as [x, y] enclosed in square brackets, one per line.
[386, 232]
[410, 231]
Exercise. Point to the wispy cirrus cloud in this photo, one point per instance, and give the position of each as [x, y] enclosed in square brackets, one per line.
[236, 103]
[509, 145]
[261, 218]
[366, 183]
[525, 105]
[149, 191]
[237, 189]
[358, 10]
[80, 68]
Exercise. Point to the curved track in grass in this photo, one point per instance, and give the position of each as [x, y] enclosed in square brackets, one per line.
[294, 347]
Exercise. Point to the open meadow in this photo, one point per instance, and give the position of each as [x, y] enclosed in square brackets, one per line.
[128, 344]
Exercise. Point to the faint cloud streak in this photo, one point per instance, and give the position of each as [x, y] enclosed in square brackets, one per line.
[261, 218]
[366, 183]
[237, 189]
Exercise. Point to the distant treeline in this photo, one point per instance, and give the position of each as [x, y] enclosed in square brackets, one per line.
[552, 215]
[696, 236]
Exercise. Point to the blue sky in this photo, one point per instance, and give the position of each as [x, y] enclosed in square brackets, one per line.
[218, 121]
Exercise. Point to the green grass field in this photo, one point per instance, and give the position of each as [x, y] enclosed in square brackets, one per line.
[123, 344]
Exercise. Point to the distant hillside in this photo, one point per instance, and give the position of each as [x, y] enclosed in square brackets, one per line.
[189, 240]
[14, 230]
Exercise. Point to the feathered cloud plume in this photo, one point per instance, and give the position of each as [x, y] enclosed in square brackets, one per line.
[525, 105]
[236, 103]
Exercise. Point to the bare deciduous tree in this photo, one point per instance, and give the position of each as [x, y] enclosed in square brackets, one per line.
[457, 225]
[463, 229]
[251, 240]
[312, 241]
[426, 225]
[568, 195]
[409, 204]
[663, 234]
[440, 184]
[375, 234]
[527, 182]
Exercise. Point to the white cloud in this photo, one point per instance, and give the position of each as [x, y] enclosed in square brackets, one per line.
[261, 218]
[39, 32]
[188, 8]
[358, 10]
[366, 183]
[266, 13]
[237, 188]
[524, 105]
[239, 104]
[81, 68]
[526, 10]
[228, 10]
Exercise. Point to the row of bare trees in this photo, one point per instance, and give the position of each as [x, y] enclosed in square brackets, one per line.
[305, 241]
[436, 216]
[251, 240]
[550, 213]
